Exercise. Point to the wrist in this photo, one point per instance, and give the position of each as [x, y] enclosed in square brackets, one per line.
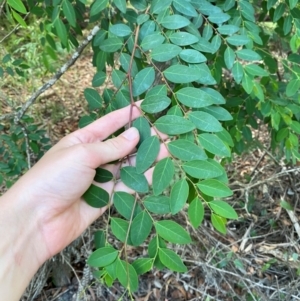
[19, 252]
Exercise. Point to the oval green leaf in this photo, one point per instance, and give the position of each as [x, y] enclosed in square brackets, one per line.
[134, 180]
[174, 125]
[162, 175]
[102, 257]
[214, 188]
[172, 232]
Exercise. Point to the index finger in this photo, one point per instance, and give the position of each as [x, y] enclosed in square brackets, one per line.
[100, 129]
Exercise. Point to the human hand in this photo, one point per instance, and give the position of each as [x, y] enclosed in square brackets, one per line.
[52, 189]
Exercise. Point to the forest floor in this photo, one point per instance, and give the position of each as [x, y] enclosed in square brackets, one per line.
[258, 258]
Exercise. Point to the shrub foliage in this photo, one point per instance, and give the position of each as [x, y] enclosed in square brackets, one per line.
[209, 72]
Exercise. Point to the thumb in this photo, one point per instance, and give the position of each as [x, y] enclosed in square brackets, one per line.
[99, 153]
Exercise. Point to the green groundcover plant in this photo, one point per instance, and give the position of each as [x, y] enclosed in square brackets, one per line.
[209, 72]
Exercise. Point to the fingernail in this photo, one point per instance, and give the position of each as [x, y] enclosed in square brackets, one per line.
[131, 134]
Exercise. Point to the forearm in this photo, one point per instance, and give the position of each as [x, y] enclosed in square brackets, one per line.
[18, 249]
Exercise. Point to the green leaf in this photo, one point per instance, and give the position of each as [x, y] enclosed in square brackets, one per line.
[99, 239]
[17, 5]
[205, 122]
[171, 260]
[248, 55]
[118, 78]
[165, 52]
[223, 209]
[237, 72]
[119, 228]
[185, 8]
[247, 10]
[216, 96]
[206, 77]
[61, 31]
[229, 57]
[155, 103]
[84, 121]
[142, 265]
[120, 30]
[214, 145]
[293, 87]
[124, 203]
[140, 228]
[93, 98]
[194, 98]
[196, 212]
[173, 125]
[179, 195]
[139, 4]
[157, 90]
[186, 150]
[287, 24]
[99, 37]
[214, 188]
[203, 46]
[125, 60]
[98, 79]
[200, 169]
[218, 112]
[102, 257]
[19, 19]
[121, 5]
[143, 81]
[286, 205]
[158, 6]
[147, 153]
[256, 70]
[271, 3]
[180, 74]
[295, 126]
[151, 41]
[175, 22]
[183, 38]
[102, 175]
[207, 32]
[293, 3]
[216, 43]
[219, 223]
[192, 56]
[172, 232]
[143, 127]
[228, 29]
[134, 180]
[157, 204]
[219, 18]
[127, 276]
[111, 44]
[98, 6]
[238, 40]
[69, 12]
[175, 110]
[228, 4]
[278, 12]
[162, 175]
[142, 19]
[247, 83]
[122, 99]
[96, 197]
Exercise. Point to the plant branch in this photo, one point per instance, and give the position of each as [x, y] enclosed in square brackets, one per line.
[58, 74]
[14, 29]
[129, 74]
